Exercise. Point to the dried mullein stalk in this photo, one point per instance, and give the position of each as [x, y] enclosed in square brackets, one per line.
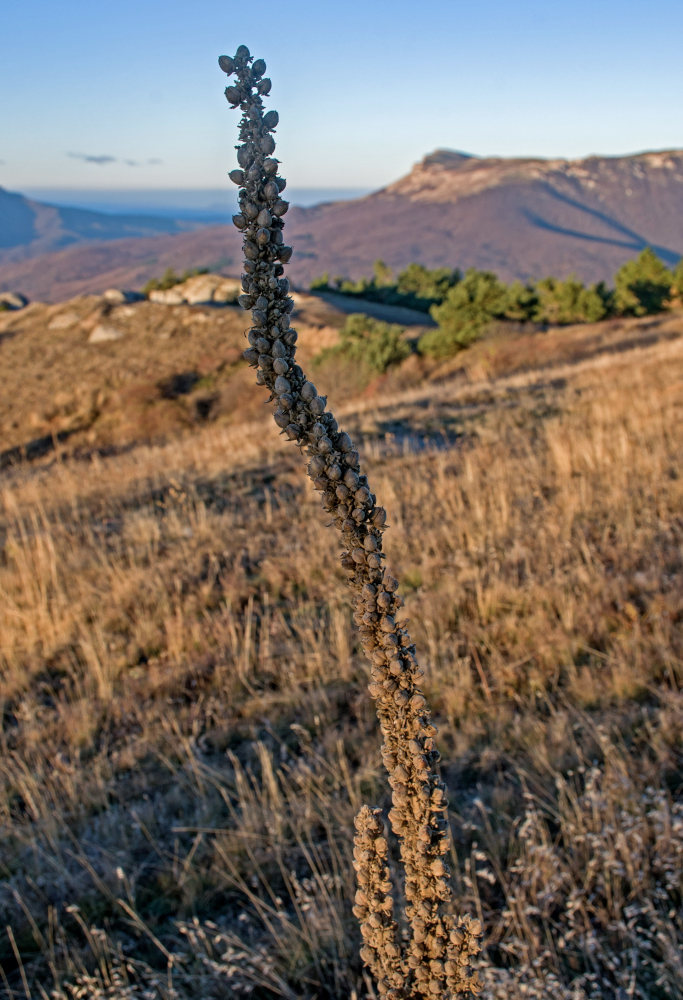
[430, 956]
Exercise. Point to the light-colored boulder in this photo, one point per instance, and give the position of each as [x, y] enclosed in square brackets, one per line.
[199, 290]
[168, 296]
[121, 296]
[104, 332]
[227, 291]
[62, 321]
[13, 300]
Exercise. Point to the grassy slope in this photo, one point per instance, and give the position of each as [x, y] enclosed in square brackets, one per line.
[186, 734]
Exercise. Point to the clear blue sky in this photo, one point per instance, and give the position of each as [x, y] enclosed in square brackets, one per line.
[364, 89]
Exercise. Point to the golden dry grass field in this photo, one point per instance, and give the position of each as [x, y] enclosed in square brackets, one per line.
[186, 731]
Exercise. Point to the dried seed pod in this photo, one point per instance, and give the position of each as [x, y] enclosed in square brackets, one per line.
[271, 191]
[285, 254]
[358, 555]
[246, 301]
[239, 222]
[280, 207]
[264, 86]
[280, 350]
[370, 543]
[287, 400]
[264, 218]
[242, 53]
[267, 145]
[379, 517]
[266, 362]
[270, 120]
[270, 167]
[233, 95]
[250, 210]
[281, 385]
[227, 64]
[362, 495]
[258, 68]
[344, 442]
[263, 237]
[351, 479]
[334, 473]
[308, 392]
[280, 366]
[251, 356]
[292, 431]
[236, 176]
[318, 405]
[263, 345]
[281, 418]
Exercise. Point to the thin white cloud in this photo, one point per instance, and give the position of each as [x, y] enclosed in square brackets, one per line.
[103, 159]
[100, 161]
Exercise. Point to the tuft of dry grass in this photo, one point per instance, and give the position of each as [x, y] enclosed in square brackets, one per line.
[186, 735]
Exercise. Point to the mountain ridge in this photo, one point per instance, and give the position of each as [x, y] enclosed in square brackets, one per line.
[31, 228]
[522, 217]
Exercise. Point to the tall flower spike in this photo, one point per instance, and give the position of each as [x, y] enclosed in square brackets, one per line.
[435, 962]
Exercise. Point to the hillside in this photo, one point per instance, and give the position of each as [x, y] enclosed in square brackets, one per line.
[186, 728]
[522, 218]
[30, 228]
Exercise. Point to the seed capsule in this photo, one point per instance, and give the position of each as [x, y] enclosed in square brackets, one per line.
[246, 301]
[239, 222]
[236, 176]
[280, 207]
[264, 218]
[263, 86]
[281, 418]
[292, 431]
[266, 362]
[280, 350]
[270, 191]
[308, 392]
[270, 120]
[362, 495]
[285, 254]
[263, 237]
[270, 167]
[281, 183]
[280, 366]
[351, 479]
[281, 385]
[317, 406]
[334, 473]
[344, 442]
[234, 95]
[379, 517]
[251, 355]
[267, 145]
[250, 210]
[227, 64]
[258, 68]
[316, 466]
[358, 555]
[370, 543]
[242, 52]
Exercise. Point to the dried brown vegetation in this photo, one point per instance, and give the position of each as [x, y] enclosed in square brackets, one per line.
[186, 734]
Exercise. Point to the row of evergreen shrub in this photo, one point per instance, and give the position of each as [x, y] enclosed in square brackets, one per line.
[463, 306]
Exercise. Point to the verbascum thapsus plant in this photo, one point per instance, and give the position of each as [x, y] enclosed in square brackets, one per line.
[427, 953]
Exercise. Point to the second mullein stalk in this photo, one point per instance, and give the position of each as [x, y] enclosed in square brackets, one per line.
[429, 957]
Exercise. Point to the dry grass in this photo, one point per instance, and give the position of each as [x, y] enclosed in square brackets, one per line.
[186, 735]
